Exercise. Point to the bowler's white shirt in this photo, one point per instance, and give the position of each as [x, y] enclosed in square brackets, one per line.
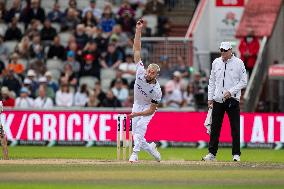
[145, 93]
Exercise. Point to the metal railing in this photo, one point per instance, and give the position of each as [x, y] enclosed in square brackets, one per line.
[155, 49]
[255, 84]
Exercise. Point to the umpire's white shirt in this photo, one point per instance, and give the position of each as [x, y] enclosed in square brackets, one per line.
[226, 76]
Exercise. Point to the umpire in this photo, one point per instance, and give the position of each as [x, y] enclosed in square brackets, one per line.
[228, 77]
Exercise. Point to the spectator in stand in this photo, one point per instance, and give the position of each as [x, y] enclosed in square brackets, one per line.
[34, 29]
[56, 50]
[15, 11]
[55, 15]
[188, 97]
[120, 36]
[27, 84]
[81, 36]
[147, 32]
[3, 12]
[91, 32]
[99, 92]
[89, 19]
[70, 21]
[43, 101]
[107, 21]
[13, 32]
[4, 51]
[23, 47]
[36, 48]
[129, 46]
[72, 46]
[16, 66]
[129, 101]
[50, 82]
[113, 57]
[48, 90]
[31, 74]
[165, 66]
[125, 7]
[6, 98]
[75, 65]
[120, 91]
[181, 67]
[101, 39]
[92, 7]
[24, 101]
[128, 68]
[38, 66]
[164, 26]
[81, 96]
[118, 76]
[73, 5]
[127, 23]
[68, 76]
[12, 82]
[249, 47]
[92, 48]
[154, 7]
[92, 101]
[63, 96]
[177, 81]
[173, 96]
[140, 9]
[90, 67]
[35, 11]
[110, 100]
[47, 32]
[2, 68]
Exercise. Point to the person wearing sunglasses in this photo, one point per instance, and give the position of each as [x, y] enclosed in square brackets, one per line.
[228, 77]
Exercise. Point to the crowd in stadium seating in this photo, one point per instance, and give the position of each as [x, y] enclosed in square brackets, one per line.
[56, 58]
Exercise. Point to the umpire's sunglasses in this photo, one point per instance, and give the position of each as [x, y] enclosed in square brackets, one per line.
[223, 50]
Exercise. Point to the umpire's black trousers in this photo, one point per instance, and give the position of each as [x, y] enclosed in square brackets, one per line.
[232, 107]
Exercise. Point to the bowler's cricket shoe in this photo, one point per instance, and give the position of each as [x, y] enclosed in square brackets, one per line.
[209, 157]
[236, 158]
[133, 158]
[154, 152]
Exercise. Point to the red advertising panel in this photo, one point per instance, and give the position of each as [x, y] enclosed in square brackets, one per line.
[102, 126]
[230, 3]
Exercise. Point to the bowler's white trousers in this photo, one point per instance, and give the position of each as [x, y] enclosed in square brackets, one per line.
[139, 128]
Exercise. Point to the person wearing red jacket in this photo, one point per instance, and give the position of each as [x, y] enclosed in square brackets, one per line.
[6, 99]
[249, 47]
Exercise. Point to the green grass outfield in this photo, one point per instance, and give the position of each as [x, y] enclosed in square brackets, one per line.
[96, 167]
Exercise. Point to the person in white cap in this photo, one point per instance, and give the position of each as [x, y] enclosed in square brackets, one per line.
[147, 96]
[228, 77]
[31, 74]
[50, 81]
[48, 90]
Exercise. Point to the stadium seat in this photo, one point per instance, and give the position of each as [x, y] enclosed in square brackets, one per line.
[3, 28]
[56, 26]
[64, 37]
[24, 62]
[55, 74]
[152, 22]
[11, 45]
[107, 75]
[53, 64]
[21, 26]
[89, 80]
